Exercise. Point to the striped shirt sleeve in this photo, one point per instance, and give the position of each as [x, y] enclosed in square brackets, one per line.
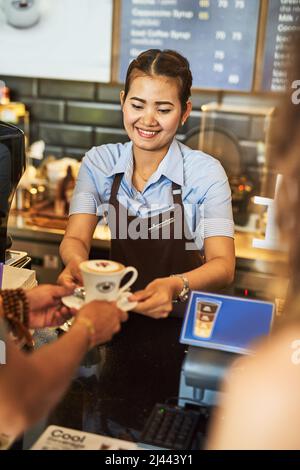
[86, 196]
[217, 218]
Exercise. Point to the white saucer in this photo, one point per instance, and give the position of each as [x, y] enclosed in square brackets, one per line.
[123, 303]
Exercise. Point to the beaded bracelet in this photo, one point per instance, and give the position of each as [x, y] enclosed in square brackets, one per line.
[16, 311]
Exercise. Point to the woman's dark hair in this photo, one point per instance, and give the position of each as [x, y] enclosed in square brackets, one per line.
[167, 63]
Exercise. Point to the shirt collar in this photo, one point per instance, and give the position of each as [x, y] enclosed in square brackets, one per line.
[124, 160]
[171, 166]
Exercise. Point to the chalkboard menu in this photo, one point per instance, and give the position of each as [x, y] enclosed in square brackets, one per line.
[218, 37]
[283, 16]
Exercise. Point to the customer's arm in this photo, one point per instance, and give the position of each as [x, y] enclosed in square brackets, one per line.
[75, 247]
[30, 385]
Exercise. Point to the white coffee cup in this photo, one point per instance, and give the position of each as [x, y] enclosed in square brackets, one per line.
[102, 279]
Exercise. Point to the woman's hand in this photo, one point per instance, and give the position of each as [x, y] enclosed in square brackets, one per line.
[71, 276]
[156, 299]
[105, 317]
[45, 306]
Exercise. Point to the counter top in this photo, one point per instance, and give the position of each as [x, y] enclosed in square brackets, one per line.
[19, 226]
[245, 250]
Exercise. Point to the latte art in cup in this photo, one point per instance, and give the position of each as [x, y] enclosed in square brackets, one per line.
[101, 266]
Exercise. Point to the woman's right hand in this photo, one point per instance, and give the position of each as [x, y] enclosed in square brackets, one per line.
[71, 277]
[105, 317]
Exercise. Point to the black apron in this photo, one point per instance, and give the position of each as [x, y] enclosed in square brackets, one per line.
[143, 361]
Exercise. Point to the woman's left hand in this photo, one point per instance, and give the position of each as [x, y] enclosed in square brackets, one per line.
[156, 299]
[45, 306]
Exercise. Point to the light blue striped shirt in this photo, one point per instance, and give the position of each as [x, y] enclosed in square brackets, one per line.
[206, 193]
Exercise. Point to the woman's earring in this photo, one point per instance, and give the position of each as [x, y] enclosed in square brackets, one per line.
[182, 123]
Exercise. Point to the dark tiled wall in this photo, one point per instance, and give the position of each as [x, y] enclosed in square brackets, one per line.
[73, 116]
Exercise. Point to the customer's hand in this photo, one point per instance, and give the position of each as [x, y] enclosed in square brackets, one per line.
[105, 317]
[45, 306]
[71, 276]
[156, 299]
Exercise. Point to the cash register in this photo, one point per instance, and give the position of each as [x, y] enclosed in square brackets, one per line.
[203, 371]
[184, 426]
[218, 329]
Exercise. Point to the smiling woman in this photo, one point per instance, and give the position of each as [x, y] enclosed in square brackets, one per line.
[151, 179]
[171, 205]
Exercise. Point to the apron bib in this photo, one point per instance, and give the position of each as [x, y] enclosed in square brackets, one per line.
[143, 361]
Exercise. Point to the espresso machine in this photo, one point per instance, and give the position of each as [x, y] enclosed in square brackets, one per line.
[12, 166]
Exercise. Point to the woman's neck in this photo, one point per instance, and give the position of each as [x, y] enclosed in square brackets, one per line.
[147, 162]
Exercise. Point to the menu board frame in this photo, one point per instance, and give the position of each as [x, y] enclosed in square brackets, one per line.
[263, 8]
[262, 29]
[262, 59]
[116, 31]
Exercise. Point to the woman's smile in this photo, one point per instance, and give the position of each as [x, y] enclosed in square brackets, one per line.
[146, 134]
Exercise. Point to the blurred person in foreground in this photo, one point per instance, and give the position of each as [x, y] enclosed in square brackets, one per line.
[261, 407]
[31, 384]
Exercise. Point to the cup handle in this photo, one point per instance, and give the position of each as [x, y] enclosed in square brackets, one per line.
[129, 269]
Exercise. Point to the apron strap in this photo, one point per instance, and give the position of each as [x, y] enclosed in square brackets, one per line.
[177, 198]
[114, 189]
[176, 190]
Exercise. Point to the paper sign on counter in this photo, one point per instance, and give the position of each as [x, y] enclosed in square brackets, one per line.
[60, 438]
